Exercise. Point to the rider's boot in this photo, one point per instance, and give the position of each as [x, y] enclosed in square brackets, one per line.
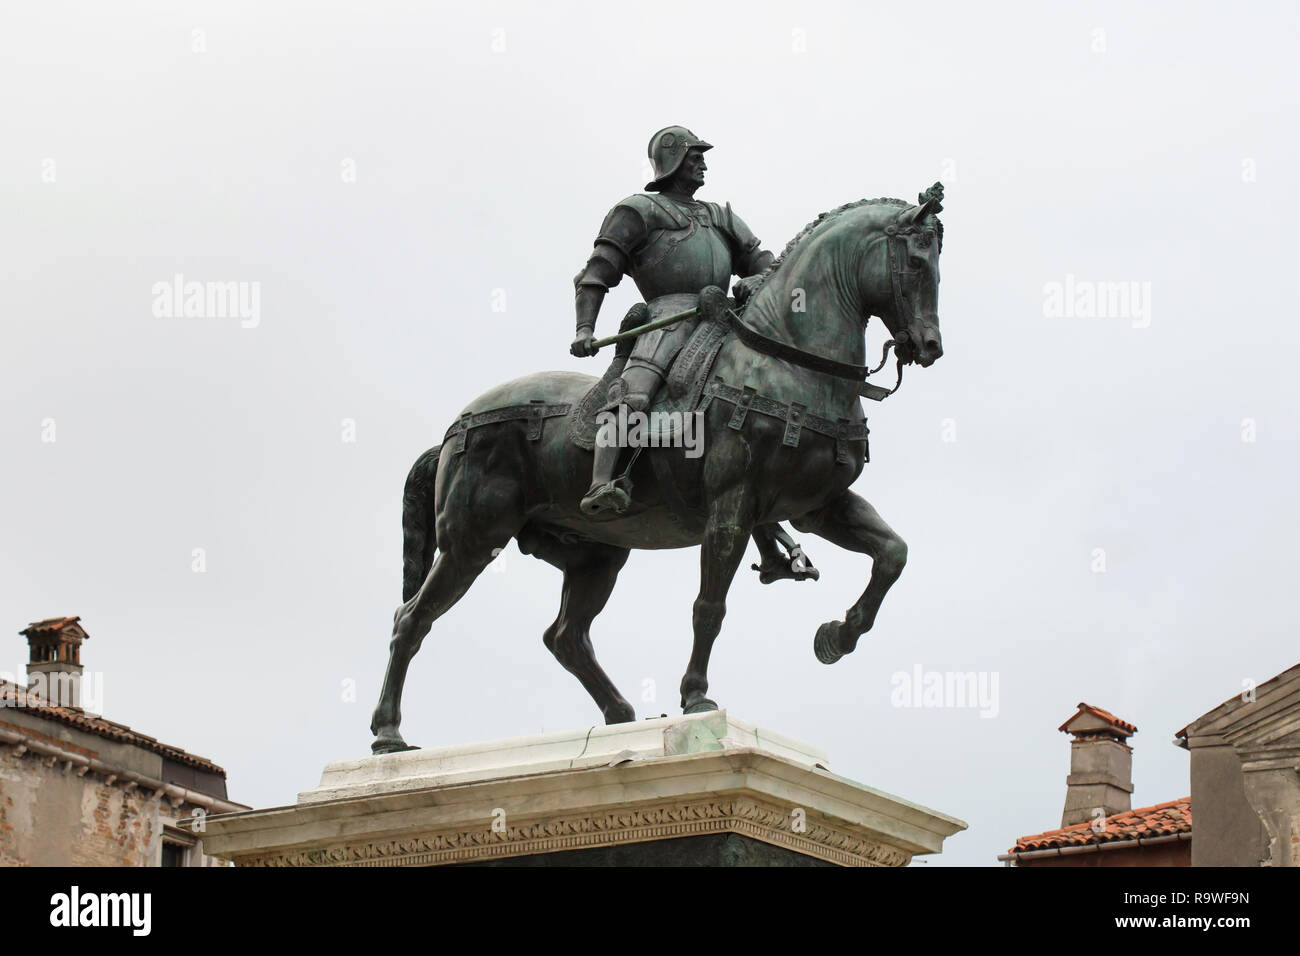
[792, 565]
[604, 495]
[630, 393]
[795, 566]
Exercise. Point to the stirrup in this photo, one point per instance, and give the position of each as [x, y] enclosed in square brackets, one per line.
[795, 566]
[606, 497]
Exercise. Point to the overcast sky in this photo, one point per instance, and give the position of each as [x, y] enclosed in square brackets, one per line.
[1098, 509]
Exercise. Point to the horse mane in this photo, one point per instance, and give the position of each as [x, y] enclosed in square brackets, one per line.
[825, 217]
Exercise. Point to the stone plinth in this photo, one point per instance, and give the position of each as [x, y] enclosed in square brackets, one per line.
[701, 790]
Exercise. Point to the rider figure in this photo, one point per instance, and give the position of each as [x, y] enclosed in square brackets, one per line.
[672, 246]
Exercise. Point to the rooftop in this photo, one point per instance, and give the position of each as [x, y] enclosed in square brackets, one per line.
[13, 695]
[1163, 819]
[54, 625]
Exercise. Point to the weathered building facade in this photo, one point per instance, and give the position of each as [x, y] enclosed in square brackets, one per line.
[1245, 769]
[1245, 783]
[77, 789]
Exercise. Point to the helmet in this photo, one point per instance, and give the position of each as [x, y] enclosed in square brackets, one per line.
[667, 149]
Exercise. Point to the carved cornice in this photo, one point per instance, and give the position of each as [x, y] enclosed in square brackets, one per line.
[822, 839]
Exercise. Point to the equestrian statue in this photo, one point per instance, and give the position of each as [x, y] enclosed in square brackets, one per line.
[774, 378]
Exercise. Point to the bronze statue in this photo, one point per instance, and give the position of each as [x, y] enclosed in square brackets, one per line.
[672, 246]
[775, 375]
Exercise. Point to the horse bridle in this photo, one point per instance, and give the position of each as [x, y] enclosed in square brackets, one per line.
[899, 275]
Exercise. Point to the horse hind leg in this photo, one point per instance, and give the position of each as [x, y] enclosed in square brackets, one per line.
[471, 541]
[590, 572]
[447, 581]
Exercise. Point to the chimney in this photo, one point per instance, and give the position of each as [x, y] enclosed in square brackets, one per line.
[54, 664]
[1101, 765]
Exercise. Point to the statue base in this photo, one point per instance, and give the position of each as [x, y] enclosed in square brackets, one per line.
[699, 790]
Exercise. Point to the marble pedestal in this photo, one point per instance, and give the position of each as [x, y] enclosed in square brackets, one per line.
[703, 790]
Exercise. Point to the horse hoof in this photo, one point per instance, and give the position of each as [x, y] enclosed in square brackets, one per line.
[620, 714]
[390, 744]
[701, 706]
[825, 645]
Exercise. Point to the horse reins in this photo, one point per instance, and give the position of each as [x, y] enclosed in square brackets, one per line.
[810, 360]
[819, 363]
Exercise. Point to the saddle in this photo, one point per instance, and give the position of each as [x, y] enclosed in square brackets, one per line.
[681, 392]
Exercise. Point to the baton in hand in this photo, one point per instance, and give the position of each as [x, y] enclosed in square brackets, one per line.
[642, 329]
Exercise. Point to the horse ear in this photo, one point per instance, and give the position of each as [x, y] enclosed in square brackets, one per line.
[917, 214]
[930, 203]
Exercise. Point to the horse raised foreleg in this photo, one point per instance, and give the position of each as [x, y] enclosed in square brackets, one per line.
[852, 523]
[726, 535]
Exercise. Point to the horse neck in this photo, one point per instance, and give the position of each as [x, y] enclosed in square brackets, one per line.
[824, 275]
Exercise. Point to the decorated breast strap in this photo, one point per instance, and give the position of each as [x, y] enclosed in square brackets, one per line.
[795, 416]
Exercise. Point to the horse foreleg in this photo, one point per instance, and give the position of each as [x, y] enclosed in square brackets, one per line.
[726, 535]
[853, 524]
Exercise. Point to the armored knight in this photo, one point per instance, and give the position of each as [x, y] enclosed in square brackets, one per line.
[672, 246]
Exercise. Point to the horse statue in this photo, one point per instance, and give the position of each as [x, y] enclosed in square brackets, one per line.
[778, 389]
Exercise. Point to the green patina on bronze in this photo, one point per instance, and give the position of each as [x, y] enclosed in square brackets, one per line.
[784, 432]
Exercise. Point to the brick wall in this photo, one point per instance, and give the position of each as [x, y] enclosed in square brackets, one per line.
[50, 816]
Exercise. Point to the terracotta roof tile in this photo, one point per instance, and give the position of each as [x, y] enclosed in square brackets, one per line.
[1106, 715]
[50, 624]
[1163, 819]
[13, 695]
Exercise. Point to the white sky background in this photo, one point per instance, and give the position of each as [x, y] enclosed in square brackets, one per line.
[479, 170]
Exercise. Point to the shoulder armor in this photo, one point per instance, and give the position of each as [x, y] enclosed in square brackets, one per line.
[657, 212]
[625, 228]
[744, 239]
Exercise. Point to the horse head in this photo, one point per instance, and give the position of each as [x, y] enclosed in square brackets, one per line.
[870, 257]
[914, 240]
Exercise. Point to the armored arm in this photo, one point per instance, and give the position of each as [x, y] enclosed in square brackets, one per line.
[620, 235]
[759, 262]
[750, 256]
[749, 259]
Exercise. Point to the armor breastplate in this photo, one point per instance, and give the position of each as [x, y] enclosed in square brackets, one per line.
[683, 260]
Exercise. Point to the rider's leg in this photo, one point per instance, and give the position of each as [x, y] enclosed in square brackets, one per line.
[777, 564]
[607, 454]
[637, 387]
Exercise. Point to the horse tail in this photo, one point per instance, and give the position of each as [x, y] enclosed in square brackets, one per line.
[419, 527]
